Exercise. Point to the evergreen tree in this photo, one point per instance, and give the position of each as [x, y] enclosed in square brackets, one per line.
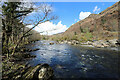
[11, 28]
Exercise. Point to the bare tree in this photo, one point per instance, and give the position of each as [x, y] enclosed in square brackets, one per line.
[44, 14]
[16, 15]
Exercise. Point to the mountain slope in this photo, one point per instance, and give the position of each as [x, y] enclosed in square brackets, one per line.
[103, 25]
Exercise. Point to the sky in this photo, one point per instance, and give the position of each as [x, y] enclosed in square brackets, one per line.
[69, 13]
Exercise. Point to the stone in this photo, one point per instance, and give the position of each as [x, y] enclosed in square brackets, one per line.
[118, 43]
[105, 44]
[77, 42]
[61, 42]
[113, 42]
[59, 66]
[99, 44]
[69, 42]
[41, 71]
[51, 43]
[74, 42]
[88, 43]
[65, 41]
[45, 72]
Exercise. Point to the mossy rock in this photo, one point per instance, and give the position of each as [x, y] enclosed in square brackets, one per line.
[39, 72]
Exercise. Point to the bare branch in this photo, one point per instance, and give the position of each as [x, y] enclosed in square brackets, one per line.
[44, 17]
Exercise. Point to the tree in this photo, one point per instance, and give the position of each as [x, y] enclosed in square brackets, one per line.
[45, 10]
[10, 22]
[14, 14]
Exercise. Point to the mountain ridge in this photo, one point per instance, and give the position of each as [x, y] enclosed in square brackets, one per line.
[103, 24]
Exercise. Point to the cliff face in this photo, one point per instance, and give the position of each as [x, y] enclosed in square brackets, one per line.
[104, 24]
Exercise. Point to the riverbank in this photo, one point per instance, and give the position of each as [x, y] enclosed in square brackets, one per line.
[16, 67]
[113, 44]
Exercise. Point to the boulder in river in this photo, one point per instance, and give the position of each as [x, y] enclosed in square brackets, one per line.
[59, 66]
[51, 43]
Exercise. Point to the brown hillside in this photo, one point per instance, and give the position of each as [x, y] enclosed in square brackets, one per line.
[104, 24]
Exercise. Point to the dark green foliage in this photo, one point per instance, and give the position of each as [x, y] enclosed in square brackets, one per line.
[103, 21]
[12, 28]
[75, 33]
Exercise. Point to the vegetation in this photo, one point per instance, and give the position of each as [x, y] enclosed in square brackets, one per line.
[103, 21]
[81, 29]
[83, 37]
[15, 35]
[14, 32]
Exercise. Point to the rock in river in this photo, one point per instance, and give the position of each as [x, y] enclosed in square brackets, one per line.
[51, 43]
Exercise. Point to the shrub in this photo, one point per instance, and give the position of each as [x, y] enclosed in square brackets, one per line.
[103, 21]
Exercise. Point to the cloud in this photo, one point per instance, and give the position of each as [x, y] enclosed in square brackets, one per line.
[83, 15]
[96, 10]
[48, 28]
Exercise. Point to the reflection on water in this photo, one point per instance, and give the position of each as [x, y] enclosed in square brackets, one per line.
[74, 61]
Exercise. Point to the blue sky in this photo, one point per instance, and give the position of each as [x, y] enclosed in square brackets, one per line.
[69, 13]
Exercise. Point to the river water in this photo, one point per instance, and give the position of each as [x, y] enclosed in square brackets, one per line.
[76, 62]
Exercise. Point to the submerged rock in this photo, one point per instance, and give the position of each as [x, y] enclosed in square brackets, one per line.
[59, 66]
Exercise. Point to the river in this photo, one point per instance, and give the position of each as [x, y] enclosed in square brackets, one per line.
[70, 61]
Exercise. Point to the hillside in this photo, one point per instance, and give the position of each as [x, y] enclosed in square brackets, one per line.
[103, 25]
